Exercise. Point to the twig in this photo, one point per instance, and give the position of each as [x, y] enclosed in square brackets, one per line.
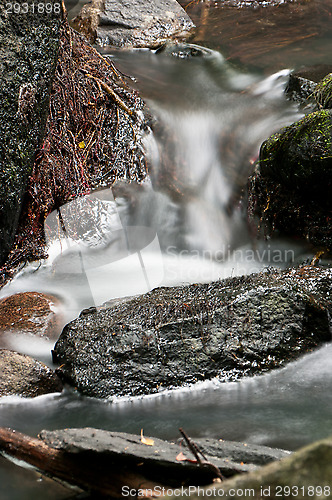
[196, 451]
[110, 91]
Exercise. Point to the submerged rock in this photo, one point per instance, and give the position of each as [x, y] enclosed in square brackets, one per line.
[291, 187]
[171, 337]
[30, 312]
[28, 54]
[23, 482]
[24, 376]
[138, 23]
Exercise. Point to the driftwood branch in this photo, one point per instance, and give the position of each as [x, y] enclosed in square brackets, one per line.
[82, 469]
[105, 462]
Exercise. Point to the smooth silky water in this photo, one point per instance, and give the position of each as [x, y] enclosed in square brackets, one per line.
[210, 119]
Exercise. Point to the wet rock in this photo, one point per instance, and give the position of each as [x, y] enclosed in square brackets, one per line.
[302, 83]
[229, 457]
[240, 452]
[31, 312]
[138, 23]
[171, 337]
[290, 189]
[28, 53]
[61, 174]
[323, 92]
[24, 376]
[184, 50]
[307, 474]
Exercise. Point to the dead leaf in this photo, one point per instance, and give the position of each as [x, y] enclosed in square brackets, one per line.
[147, 441]
[182, 458]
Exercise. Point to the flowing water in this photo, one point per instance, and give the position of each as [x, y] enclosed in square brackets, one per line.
[210, 117]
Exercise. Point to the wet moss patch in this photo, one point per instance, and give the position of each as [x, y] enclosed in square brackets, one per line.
[291, 187]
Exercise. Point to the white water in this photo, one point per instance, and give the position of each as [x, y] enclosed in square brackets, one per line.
[214, 119]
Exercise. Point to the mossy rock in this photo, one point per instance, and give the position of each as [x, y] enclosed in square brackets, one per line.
[290, 190]
[303, 82]
[300, 156]
[323, 92]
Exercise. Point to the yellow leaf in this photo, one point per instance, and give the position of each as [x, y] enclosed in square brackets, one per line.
[147, 441]
[81, 145]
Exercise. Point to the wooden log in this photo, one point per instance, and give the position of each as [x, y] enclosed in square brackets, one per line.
[86, 470]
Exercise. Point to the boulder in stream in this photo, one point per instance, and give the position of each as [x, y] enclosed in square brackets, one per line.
[138, 23]
[107, 107]
[25, 376]
[290, 189]
[171, 337]
[28, 54]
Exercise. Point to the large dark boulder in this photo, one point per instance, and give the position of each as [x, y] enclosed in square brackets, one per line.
[24, 376]
[138, 23]
[28, 54]
[170, 337]
[291, 187]
[105, 106]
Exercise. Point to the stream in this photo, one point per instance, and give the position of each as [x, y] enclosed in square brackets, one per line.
[211, 113]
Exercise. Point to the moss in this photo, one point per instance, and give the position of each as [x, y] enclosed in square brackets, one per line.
[291, 188]
[323, 92]
[300, 156]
